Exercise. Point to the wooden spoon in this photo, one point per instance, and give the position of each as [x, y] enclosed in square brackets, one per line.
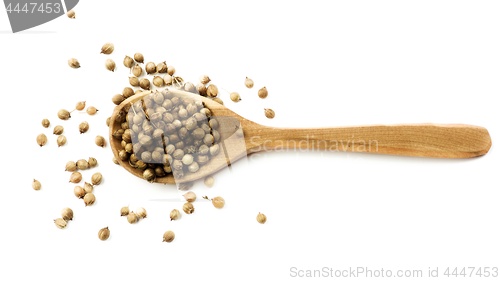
[423, 140]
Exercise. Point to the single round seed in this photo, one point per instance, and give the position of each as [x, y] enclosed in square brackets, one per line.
[218, 202]
[212, 91]
[103, 234]
[96, 178]
[209, 181]
[190, 196]
[124, 211]
[63, 114]
[134, 81]
[269, 113]
[73, 63]
[128, 62]
[149, 175]
[60, 223]
[261, 218]
[141, 213]
[132, 218]
[79, 191]
[138, 57]
[248, 83]
[205, 79]
[168, 236]
[170, 70]
[158, 81]
[61, 140]
[188, 208]
[89, 199]
[75, 177]
[70, 166]
[117, 99]
[58, 130]
[41, 139]
[110, 65]
[235, 97]
[161, 67]
[80, 105]
[187, 159]
[127, 92]
[202, 89]
[92, 162]
[145, 84]
[107, 48]
[175, 215]
[89, 188]
[36, 185]
[83, 127]
[45, 123]
[100, 141]
[194, 167]
[262, 93]
[167, 79]
[150, 68]
[67, 214]
[82, 164]
[71, 14]
[91, 110]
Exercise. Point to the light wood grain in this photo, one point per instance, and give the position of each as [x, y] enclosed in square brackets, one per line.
[421, 140]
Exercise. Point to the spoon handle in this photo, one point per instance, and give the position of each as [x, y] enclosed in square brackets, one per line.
[424, 140]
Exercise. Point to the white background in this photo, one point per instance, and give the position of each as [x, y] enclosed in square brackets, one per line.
[325, 64]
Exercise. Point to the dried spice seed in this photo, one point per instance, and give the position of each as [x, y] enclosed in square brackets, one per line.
[190, 196]
[158, 81]
[262, 93]
[71, 166]
[92, 162]
[45, 123]
[75, 177]
[124, 211]
[60, 223]
[110, 65]
[103, 234]
[150, 68]
[58, 130]
[212, 91]
[145, 84]
[261, 218]
[80, 105]
[67, 214]
[202, 89]
[188, 208]
[168, 236]
[127, 92]
[91, 110]
[141, 213]
[175, 215]
[89, 188]
[248, 83]
[71, 14]
[138, 57]
[96, 178]
[83, 127]
[79, 191]
[89, 199]
[100, 141]
[161, 67]
[63, 114]
[167, 79]
[204, 79]
[82, 164]
[41, 139]
[218, 202]
[170, 70]
[107, 48]
[36, 185]
[128, 62]
[235, 97]
[117, 99]
[132, 218]
[61, 140]
[73, 63]
[269, 113]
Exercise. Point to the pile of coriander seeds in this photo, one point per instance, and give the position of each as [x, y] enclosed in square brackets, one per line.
[160, 134]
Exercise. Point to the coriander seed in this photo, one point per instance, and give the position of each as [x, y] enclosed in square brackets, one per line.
[92, 162]
[218, 202]
[137, 70]
[127, 92]
[128, 62]
[269, 113]
[141, 213]
[158, 81]
[75, 177]
[61, 140]
[190, 196]
[248, 83]
[110, 65]
[188, 208]
[132, 218]
[91, 110]
[202, 89]
[45, 123]
[63, 114]
[138, 57]
[212, 91]
[67, 214]
[150, 68]
[36, 185]
[70, 166]
[161, 67]
[124, 211]
[262, 93]
[89, 199]
[79, 192]
[89, 188]
[204, 79]
[261, 218]
[80, 105]
[167, 79]
[168, 236]
[58, 130]
[170, 70]
[70, 14]
[145, 84]
[117, 99]
[149, 175]
[235, 97]
[73, 63]
[96, 178]
[83, 127]
[107, 48]
[82, 164]
[41, 139]
[100, 141]
[103, 234]
[175, 215]
[60, 223]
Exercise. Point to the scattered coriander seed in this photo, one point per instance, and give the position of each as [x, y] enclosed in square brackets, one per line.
[175, 215]
[63, 114]
[89, 188]
[127, 92]
[60, 223]
[145, 84]
[269, 113]
[117, 99]
[149, 175]
[132, 218]
[202, 89]
[212, 91]
[58, 130]
[141, 213]
[73, 63]
[262, 93]
[89, 199]
[209, 181]
[218, 202]
[158, 81]
[70, 166]
[137, 70]
[261, 218]
[103, 234]
[75, 177]
[170, 70]
[168, 236]
[45, 123]
[138, 57]
[41, 139]
[248, 83]
[71, 14]
[115, 161]
[67, 214]
[167, 79]
[110, 65]
[80, 105]
[128, 62]
[61, 140]
[161, 67]
[150, 68]
[124, 211]
[204, 79]
[190, 196]
[91, 110]
[82, 164]
[83, 127]
[79, 192]
[100, 141]
[92, 162]
[96, 178]
[188, 208]
[36, 185]
[235, 97]
[107, 48]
